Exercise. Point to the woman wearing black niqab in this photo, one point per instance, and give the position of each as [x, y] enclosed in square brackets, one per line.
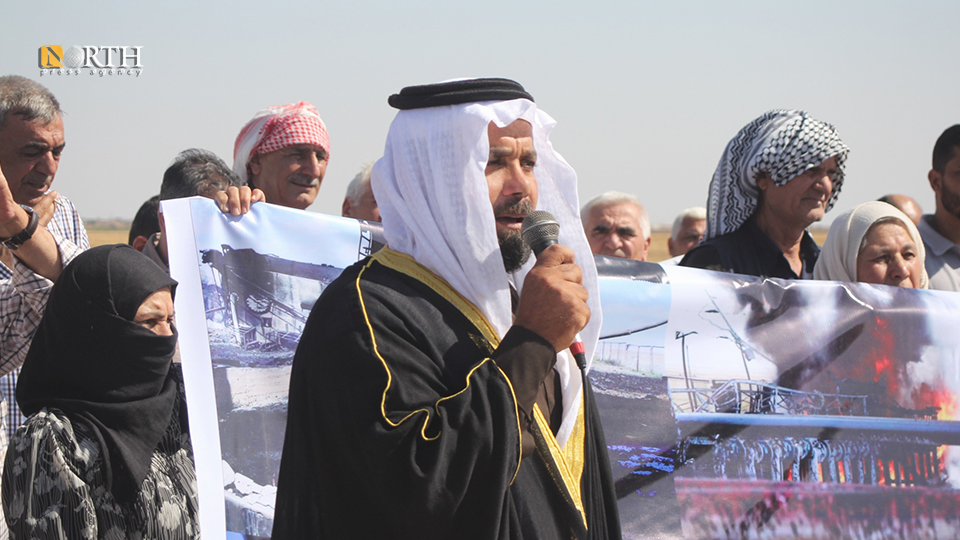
[105, 452]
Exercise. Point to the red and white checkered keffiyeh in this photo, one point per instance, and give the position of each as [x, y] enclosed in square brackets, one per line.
[278, 127]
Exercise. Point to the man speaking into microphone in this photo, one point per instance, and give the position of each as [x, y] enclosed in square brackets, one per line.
[428, 398]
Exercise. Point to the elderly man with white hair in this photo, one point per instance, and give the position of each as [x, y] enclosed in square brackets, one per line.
[284, 151]
[359, 202]
[433, 394]
[780, 174]
[687, 230]
[617, 225]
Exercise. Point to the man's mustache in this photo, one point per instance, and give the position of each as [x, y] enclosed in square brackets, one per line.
[36, 179]
[521, 207]
[304, 180]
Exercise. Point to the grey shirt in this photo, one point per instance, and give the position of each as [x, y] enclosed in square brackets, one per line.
[943, 257]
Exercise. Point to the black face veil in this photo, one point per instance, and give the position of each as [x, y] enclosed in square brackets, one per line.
[90, 360]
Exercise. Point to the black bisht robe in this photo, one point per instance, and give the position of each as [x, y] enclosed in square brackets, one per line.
[401, 425]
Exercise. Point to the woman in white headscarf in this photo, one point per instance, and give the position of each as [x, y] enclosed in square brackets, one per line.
[873, 243]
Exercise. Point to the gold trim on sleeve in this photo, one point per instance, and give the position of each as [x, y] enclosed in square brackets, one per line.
[406, 265]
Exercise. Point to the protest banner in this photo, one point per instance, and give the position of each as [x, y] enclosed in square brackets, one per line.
[733, 406]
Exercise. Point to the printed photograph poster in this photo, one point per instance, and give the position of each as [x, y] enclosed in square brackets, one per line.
[796, 409]
[246, 287]
[628, 375]
[733, 406]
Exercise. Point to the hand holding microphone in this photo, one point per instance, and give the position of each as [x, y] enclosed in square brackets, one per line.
[553, 302]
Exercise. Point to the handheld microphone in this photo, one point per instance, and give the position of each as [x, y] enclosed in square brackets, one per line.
[540, 230]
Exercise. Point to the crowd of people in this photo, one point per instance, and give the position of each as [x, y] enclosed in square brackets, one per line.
[778, 176]
[461, 402]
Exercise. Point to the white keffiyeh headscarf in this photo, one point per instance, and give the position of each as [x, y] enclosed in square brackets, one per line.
[783, 144]
[838, 257]
[435, 206]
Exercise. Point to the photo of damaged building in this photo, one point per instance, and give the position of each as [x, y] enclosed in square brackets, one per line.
[257, 305]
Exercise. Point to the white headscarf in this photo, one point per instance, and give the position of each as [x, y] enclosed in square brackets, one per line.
[780, 143]
[435, 206]
[838, 258]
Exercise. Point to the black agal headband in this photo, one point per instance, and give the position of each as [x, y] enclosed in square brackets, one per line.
[456, 92]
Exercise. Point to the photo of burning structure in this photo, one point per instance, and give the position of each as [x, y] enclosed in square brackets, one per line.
[798, 410]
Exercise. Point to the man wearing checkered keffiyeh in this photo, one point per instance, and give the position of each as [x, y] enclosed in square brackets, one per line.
[779, 175]
[283, 151]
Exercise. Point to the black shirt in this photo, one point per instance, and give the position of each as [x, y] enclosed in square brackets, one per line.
[749, 251]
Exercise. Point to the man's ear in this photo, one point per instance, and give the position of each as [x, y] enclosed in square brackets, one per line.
[254, 164]
[935, 179]
[763, 181]
[346, 208]
[139, 242]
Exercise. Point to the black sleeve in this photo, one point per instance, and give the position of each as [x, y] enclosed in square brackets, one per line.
[525, 358]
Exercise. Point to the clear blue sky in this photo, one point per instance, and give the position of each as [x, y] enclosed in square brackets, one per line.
[646, 94]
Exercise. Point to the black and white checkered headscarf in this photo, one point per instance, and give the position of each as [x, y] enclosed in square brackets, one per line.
[781, 143]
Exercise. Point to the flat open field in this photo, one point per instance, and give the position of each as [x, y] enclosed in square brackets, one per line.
[101, 237]
[658, 242]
